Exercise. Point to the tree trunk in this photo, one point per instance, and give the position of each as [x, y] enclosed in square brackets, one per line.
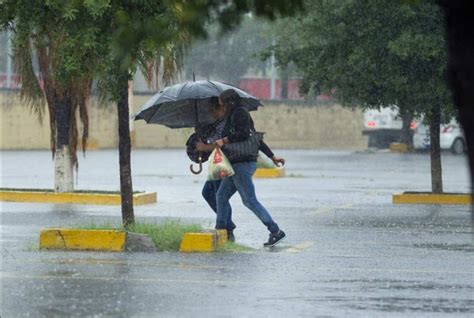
[126, 188]
[436, 170]
[406, 136]
[460, 37]
[63, 168]
[284, 83]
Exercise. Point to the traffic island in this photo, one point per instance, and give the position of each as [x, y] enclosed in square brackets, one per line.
[269, 173]
[77, 197]
[432, 198]
[170, 235]
[95, 240]
[398, 147]
[205, 241]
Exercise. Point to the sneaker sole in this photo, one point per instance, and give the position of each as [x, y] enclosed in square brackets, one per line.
[277, 242]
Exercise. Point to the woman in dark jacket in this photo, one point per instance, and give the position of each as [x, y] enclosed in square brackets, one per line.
[238, 127]
[210, 189]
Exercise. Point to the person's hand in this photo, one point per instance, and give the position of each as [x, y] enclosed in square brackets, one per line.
[220, 142]
[200, 146]
[277, 161]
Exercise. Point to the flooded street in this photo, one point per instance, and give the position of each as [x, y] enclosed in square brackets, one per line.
[349, 251]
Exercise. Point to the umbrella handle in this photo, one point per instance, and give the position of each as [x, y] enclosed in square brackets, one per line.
[200, 167]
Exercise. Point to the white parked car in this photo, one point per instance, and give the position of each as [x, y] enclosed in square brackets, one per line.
[383, 126]
[451, 137]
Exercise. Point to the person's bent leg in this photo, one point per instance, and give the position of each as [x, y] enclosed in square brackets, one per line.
[244, 185]
[209, 193]
[224, 210]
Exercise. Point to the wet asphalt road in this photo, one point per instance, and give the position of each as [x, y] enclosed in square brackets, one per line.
[349, 251]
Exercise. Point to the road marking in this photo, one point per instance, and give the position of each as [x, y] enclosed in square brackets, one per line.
[299, 247]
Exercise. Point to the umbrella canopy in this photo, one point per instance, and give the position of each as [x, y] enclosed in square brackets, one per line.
[186, 104]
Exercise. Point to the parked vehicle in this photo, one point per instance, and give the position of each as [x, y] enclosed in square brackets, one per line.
[383, 126]
[451, 137]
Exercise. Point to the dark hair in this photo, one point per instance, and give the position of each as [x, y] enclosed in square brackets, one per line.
[230, 99]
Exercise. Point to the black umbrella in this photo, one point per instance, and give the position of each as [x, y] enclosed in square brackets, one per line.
[186, 104]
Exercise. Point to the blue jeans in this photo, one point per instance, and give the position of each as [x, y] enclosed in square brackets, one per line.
[209, 193]
[241, 182]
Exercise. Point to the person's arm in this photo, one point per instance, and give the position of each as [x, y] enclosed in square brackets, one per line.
[269, 153]
[200, 146]
[266, 150]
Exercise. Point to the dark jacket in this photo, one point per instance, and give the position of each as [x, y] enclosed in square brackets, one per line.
[238, 127]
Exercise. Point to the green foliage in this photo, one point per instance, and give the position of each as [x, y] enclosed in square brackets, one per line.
[167, 236]
[374, 53]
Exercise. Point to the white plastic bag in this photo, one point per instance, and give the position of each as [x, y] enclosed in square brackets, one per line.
[219, 166]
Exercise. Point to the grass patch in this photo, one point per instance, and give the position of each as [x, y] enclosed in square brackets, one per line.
[101, 226]
[167, 235]
[234, 247]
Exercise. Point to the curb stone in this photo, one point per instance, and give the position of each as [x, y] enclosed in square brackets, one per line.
[95, 240]
[431, 198]
[207, 241]
[19, 195]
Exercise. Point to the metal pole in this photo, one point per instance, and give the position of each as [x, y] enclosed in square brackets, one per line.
[9, 60]
[196, 105]
[272, 73]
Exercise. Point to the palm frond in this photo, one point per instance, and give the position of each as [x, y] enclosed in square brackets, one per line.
[31, 91]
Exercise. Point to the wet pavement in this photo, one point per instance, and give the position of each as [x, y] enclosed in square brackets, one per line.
[349, 251]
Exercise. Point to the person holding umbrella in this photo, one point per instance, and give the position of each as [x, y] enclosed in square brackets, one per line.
[211, 187]
[238, 128]
[187, 105]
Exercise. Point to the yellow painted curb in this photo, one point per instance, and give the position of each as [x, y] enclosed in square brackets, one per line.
[203, 242]
[398, 147]
[429, 198]
[269, 173]
[73, 239]
[73, 197]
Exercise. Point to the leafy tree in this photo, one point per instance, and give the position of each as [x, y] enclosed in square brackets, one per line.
[374, 53]
[62, 37]
[77, 41]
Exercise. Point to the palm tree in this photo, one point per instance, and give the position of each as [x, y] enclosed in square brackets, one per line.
[64, 88]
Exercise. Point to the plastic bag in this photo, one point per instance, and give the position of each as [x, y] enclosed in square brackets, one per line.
[219, 166]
